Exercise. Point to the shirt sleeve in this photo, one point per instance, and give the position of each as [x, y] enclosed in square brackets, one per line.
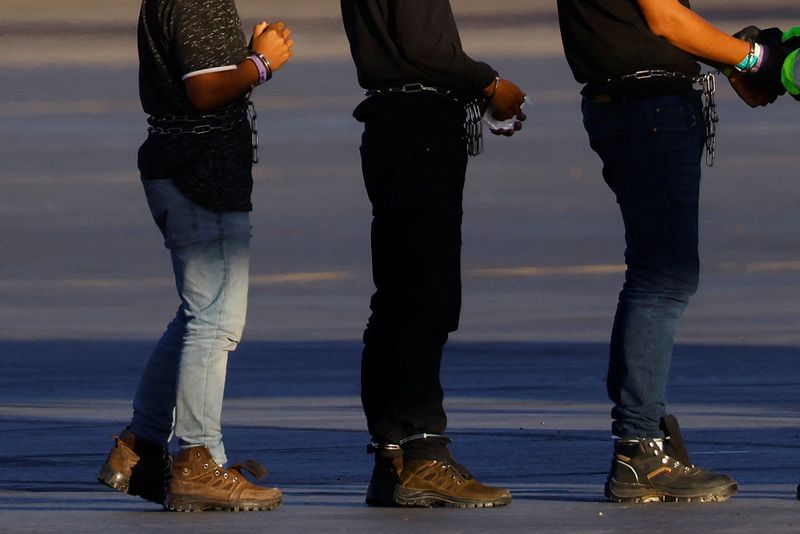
[206, 36]
[431, 44]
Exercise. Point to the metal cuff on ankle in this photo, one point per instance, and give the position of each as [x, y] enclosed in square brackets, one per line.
[389, 450]
[425, 435]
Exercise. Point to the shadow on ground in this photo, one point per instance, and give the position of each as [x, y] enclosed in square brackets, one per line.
[526, 414]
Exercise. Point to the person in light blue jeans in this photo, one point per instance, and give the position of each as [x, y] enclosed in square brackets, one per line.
[210, 258]
[196, 75]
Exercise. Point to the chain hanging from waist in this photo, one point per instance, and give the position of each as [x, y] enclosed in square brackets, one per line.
[225, 121]
[708, 85]
[473, 126]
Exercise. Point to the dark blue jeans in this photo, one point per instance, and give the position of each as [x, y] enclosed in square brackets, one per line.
[651, 149]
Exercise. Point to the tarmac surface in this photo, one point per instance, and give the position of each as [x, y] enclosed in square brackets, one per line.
[85, 289]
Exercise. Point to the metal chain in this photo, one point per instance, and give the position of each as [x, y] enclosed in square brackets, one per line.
[707, 84]
[198, 125]
[473, 128]
[411, 88]
[473, 125]
[652, 73]
[710, 116]
[199, 129]
[253, 116]
[205, 124]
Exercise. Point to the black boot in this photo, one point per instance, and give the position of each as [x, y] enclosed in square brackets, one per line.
[642, 472]
[385, 474]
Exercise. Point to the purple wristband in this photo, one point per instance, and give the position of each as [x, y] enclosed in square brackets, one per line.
[262, 69]
[761, 50]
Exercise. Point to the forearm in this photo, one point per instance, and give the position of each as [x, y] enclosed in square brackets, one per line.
[690, 32]
[216, 89]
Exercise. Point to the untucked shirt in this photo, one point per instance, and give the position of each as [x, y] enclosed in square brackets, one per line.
[607, 39]
[396, 42]
[179, 39]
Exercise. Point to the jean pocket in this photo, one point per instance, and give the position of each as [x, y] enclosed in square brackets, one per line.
[183, 222]
[679, 117]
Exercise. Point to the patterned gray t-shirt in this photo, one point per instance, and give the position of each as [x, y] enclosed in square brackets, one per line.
[179, 39]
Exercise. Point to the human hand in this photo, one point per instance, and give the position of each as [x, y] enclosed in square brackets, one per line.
[763, 86]
[748, 88]
[274, 42]
[506, 100]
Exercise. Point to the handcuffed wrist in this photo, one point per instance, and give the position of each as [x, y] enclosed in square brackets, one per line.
[262, 65]
[753, 59]
[495, 85]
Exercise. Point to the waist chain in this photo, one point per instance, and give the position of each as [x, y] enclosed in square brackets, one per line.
[205, 124]
[473, 126]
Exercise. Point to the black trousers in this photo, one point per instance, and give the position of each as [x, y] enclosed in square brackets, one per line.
[414, 160]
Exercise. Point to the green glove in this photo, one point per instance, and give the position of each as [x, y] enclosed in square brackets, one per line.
[790, 73]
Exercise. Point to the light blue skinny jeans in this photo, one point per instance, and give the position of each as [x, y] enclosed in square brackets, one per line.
[184, 380]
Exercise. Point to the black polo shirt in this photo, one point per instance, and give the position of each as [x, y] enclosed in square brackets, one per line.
[606, 39]
[395, 42]
[179, 39]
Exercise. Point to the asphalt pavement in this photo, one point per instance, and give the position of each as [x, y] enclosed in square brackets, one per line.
[85, 289]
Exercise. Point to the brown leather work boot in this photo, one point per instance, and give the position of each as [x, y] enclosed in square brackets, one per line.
[197, 483]
[385, 476]
[445, 483]
[136, 466]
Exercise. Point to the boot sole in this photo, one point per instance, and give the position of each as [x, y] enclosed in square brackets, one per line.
[638, 494]
[183, 503]
[428, 499]
[116, 480]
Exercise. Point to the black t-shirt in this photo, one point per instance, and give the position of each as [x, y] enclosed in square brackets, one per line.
[395, 42]
[606, 39]
[179, 39]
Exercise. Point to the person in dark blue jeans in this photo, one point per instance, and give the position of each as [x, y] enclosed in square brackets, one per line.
[651, 149]
[637, 59]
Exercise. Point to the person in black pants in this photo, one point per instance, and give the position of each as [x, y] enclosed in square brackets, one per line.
[636, 59]
[414, 155]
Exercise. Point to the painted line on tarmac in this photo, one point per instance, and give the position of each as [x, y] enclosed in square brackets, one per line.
[577, 270]
[772, 266]
[532, 271]
[261, 280]
[257, 280]
[300, 278]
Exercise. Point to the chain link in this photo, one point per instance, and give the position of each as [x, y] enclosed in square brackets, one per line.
[473, 125]
[205, 124]
[473, 128]
[708, 83]
[253, 117]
